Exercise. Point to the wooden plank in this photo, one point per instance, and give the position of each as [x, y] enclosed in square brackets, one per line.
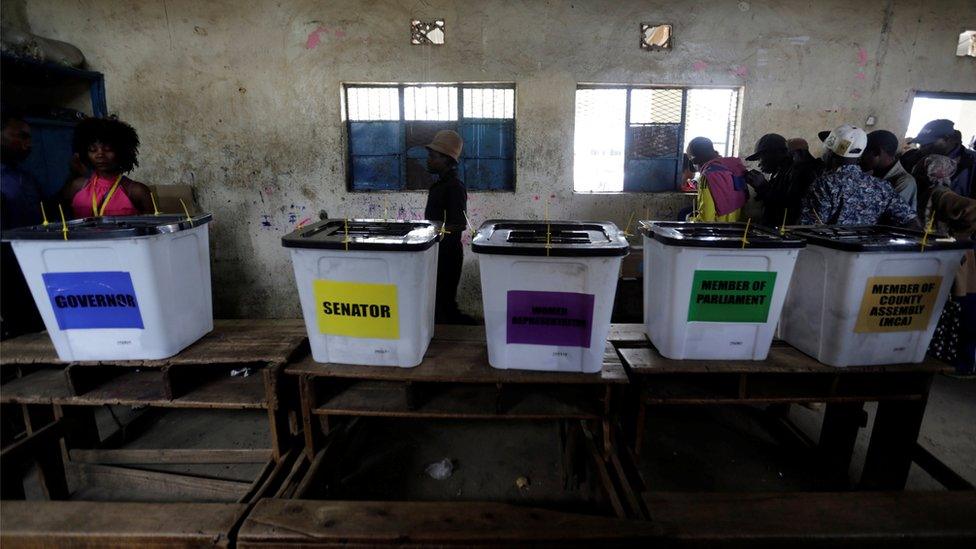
[939, 470]
[28, 447]
[109, 524]
[283, 522]
[388, 399]
[36, 416]
[230, 342]
[600, 468]
[627, 335]
[40, 387]
[815, 519]
[173, 485]
[43, 448]
[133, 388]
[461, 361]
[270, 477]
[124, 456]
[782, 359]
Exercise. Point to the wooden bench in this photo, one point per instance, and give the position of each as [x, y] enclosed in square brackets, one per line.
[306, 523]
[198, 377]
[102, 524]
[789, 376]
[862, 519]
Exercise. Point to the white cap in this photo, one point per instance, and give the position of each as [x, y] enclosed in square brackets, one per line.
[846, 141]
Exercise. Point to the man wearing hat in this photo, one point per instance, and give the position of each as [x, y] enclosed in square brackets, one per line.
[845, 195]
[941, 137]
[446, 202]
[790, 177]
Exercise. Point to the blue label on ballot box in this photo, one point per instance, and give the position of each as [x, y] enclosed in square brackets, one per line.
[93, 300]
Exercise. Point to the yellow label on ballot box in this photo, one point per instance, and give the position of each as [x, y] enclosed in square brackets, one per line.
[897, 303]
[355, 309]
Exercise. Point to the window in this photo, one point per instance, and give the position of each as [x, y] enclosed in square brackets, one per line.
[967, 44]
[633, 138]
[388, 125]
[958, 107]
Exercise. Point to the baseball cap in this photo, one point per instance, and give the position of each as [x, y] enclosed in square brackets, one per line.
[846, 141]
[768, 142]
[934, 130]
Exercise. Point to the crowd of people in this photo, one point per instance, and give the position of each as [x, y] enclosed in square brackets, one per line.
[859, 179]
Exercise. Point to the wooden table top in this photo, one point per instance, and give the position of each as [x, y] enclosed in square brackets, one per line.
[460, 354]
[642, 358]
[231, 342]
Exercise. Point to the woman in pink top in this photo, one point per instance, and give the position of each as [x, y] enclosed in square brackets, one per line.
[109, 148]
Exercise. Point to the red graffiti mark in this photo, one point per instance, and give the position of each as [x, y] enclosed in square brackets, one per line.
[862, 57]
[861, 76]
[699, 66]
[303, 222]
[536, 197]
[339, 33]
[741, 71]
[314, 38]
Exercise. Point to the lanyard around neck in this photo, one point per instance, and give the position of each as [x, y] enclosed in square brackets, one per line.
[99, 212]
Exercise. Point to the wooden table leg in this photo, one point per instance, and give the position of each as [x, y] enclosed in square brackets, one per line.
[639, 428]
[841, 422]
[896, 427]
[313, 431]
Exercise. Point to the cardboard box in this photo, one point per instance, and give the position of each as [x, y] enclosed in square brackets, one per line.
[168, 198]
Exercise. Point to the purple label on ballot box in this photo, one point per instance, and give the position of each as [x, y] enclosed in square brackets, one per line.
[93, 300]
[550, 318]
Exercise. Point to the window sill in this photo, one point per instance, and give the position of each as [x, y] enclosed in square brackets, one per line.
[631, 193]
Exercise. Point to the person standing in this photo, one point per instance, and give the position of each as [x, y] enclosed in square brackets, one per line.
[721, 185]
[791, 172]
[941, 137]
[447, 202]
[880, 159]
[110, 148]
[845, 195]
[20, 206]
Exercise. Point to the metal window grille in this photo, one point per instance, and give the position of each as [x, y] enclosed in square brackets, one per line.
[372, 104]
[489, 103]
[430, 103]
[633, 138]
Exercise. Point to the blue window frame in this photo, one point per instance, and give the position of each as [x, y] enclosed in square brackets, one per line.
[387, 126]
[633, 138]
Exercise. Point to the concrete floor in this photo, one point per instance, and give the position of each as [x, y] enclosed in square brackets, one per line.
[686, 449]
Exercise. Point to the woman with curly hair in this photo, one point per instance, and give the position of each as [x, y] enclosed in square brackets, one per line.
[109, 148]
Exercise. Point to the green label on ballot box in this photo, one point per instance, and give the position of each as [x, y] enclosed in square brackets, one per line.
[731, 296]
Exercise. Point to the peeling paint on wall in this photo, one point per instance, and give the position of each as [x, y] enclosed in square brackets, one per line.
[314, 38]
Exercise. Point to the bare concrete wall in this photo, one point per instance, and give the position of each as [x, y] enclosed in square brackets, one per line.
[236, 98]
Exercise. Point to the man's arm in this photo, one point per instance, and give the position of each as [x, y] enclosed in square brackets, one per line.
[456, 204]
[899, 212]
[816, 204]
[434, 210]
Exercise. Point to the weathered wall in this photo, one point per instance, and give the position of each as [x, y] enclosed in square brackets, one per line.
[233, 98]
